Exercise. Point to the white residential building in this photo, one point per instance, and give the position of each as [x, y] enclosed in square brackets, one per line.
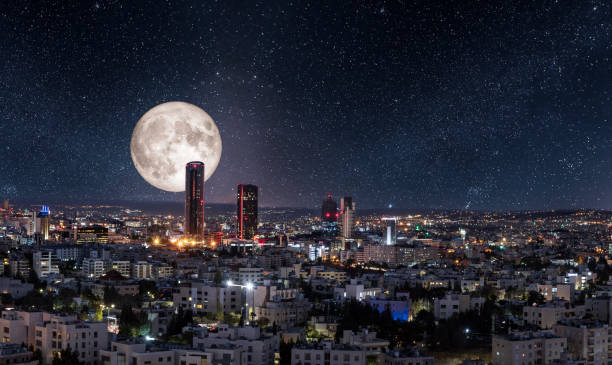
[445, 307]
[259, 347]
[520, 348]
[93, 268]
[56, 333]
[45, 263]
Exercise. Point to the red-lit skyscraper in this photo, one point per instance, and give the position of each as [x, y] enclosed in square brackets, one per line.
[246, 211]
[194, 199]
[329, 210]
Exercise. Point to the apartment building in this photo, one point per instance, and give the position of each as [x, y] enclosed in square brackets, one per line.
[142, 270]
[445, 307]
[524, 348]
[136, 352]
[93, 268]
[285, 313]
[55, 333]
[203, 297]
[587, 339]
[45, 263]
[327, 353]
[547, 315]
[405, 357]
[259, 347]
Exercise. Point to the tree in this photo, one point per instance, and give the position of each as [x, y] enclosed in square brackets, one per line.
[146, 287]
[535, 297]
[99, 316]
[285, 352]
[128, 322]
[110, 295]
[219, 311]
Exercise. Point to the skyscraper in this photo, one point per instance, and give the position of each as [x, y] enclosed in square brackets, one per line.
[42, 222]
[347, 216]
[246, 211]
[194, 199]
[329, 210]
[390, 230]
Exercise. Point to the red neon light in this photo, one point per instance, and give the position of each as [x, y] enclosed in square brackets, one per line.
[327, 215]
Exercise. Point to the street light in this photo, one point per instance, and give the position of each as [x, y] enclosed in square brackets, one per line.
[249, 286]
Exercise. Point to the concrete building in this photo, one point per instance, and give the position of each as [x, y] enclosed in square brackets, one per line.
[406, 357]
[286, 313]
[523, 348]
[245, 275]
[355, 290]
[162, 271]
[45, 263]
[18, 321]
[135, 352]
[203, 297]
[142, 270]
[547, 315]
[445, 307]
[556, 291]
[347, 217]
[365, 340]
[19, 266]
[12, 354]
[16, 288]
[93, 268]
[60, 332]
[586, 339]
[123, 267]
[259, 347]
[327, 353]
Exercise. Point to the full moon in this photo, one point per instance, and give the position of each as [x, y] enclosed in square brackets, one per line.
[170, 135]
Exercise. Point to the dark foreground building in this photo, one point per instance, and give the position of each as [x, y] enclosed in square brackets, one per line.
[247, 211]
[194, 199]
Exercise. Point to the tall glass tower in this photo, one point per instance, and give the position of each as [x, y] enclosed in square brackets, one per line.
[329, 210]
[246, 211]
[194, 199]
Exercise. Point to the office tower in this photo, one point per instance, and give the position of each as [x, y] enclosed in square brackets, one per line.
[42, 222]
[390, 230]
[194, 199]
[329, 210]
[347, 216]
[246, 211]
[92, 234]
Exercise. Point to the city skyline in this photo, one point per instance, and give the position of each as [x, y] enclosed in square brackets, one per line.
[412, 106]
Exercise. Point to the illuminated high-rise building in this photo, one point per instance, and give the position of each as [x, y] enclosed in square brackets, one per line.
[42, 222]
[329, 210]
[246, 206]
[390, 230]
[194, 199]
[92, 234]
[347, 217]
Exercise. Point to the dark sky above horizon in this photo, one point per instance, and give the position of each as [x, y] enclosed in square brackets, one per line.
[414, 104]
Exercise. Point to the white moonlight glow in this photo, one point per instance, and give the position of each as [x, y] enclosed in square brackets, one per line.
[170, 135]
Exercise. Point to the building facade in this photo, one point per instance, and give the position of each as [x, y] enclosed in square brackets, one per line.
[246, 206]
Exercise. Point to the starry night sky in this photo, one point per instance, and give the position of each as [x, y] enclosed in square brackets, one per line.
[418, 104]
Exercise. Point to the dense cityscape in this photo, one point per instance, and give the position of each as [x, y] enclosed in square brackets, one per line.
[385, 182]
[245, 285]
